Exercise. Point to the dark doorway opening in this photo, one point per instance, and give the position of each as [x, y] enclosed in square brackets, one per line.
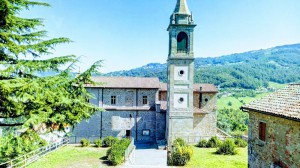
[128, 133]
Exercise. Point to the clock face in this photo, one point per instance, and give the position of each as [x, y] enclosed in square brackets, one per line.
[180, 100]
[181, 73]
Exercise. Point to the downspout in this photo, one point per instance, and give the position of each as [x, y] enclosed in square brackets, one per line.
[136, 115]
[101, 114]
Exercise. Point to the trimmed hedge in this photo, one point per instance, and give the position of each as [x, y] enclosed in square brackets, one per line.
[181, 153]
[116, 153]
[240, 142]
[110, 141]
[227, 148]
[98, 143]
[213, 142]
[85, 142]
[202, 143]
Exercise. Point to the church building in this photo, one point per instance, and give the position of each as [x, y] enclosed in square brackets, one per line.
[148, 110]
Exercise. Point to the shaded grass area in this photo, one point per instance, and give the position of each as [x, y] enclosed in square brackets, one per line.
[206, 158]
[73, 157]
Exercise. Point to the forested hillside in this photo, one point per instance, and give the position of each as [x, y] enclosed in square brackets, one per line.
[249, 70]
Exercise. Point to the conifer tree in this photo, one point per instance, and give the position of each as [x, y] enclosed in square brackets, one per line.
[27, 99]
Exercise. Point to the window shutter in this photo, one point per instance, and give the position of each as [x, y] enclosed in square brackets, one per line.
[262, 131]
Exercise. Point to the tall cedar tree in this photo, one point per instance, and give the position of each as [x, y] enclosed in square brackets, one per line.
[26, 99]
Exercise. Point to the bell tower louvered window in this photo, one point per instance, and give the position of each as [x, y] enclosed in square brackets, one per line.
[182, 42]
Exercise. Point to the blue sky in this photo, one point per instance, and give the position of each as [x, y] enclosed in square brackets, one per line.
[131, 33]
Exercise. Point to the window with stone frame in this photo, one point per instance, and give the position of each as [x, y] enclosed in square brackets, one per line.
[113, 100]
[145, 100]
[262, 131]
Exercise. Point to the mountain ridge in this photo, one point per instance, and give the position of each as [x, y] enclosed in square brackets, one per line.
[248, 70]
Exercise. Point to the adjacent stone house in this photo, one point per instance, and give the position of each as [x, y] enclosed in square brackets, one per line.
[136, 107]
[274, 129]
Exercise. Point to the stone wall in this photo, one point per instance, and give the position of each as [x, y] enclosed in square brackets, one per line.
[96, 96]
[88, 128]
[282, 145]
[115, 123]
[210, 102]
[205, 123]
[205, 126]
[124, 97]
[160, 126]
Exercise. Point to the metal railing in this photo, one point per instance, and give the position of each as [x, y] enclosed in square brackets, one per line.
[77, 139]
[129, 152]
[33, 156]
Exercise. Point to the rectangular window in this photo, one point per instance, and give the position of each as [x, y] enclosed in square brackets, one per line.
[113, 99]
[145, 100]
[262, 131]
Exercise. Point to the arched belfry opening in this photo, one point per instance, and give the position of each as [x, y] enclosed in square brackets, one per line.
[182, 42]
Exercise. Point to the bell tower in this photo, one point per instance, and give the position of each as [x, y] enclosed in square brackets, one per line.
[180, 74]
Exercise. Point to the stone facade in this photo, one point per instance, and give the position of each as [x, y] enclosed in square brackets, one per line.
[282, 145]
[129, 113]
[129, 116]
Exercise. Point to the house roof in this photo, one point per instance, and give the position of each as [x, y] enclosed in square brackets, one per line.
[141, 83]
[125, 82]
[282, 103]
[205, 88]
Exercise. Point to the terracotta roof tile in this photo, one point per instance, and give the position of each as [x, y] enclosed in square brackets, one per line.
[125, 82]
[205, 88]
[283, 103]
[141, 83]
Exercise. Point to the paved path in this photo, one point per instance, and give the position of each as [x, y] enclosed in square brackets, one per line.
[146, 155]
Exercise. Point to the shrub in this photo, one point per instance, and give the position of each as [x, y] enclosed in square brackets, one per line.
[116, 153]
[179, 142]
[85, 142]
[202, 143]
[227, 148]
[213, 142]
[181, 153]
[110, 141]
[98, 142]
[43, 142]
[237, 134]
[240, 142]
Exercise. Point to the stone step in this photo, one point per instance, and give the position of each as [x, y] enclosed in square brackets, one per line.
[161, 147]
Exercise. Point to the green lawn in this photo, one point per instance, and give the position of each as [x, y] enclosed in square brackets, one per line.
[276, 85]
[73, 157]
[237, 102]
[205, 158]
[78, 157]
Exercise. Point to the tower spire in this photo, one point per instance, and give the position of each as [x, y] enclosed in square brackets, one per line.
[182, 8]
